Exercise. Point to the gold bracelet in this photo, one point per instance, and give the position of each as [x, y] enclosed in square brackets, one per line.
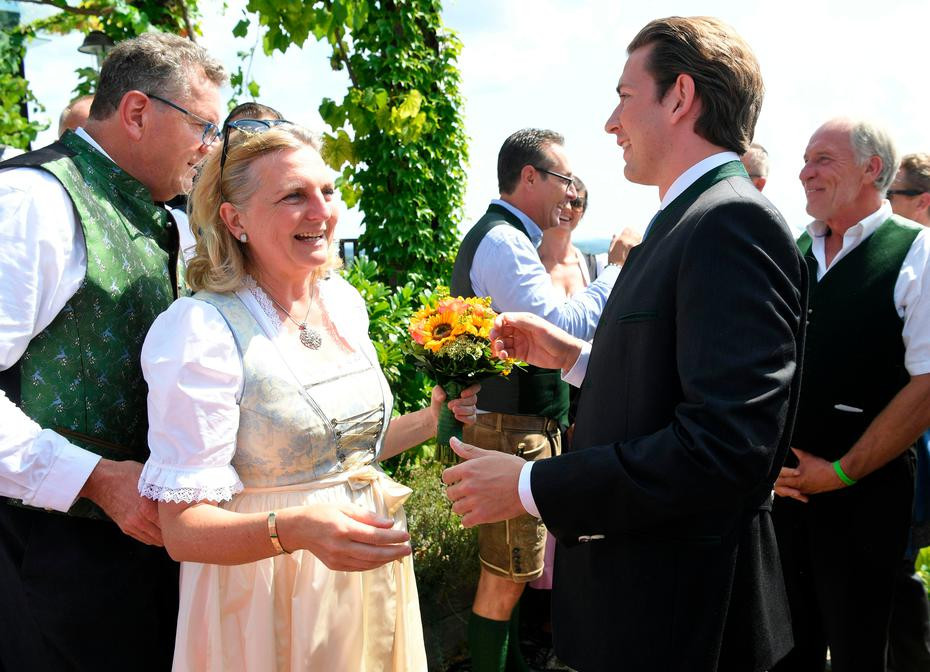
[273, 534]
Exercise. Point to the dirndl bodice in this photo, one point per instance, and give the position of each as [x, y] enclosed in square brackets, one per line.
[292, 431]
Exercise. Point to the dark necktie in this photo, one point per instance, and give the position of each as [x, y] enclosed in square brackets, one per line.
[651, 222]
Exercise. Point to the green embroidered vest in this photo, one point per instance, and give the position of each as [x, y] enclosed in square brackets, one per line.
[854, 353]
[81, 376]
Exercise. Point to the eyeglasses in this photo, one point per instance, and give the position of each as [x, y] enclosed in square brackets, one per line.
[567, 179]
[904, 192]
[210, 130]
[577, 203]
[246, 126]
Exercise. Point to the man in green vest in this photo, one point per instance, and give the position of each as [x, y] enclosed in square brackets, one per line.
[522, 414]
[89, 258]
[844, 509]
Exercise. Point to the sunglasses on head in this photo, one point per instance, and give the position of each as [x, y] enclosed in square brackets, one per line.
[904, 192]
[250, 126]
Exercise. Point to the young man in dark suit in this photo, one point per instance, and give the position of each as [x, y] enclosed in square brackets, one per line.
[667, 557]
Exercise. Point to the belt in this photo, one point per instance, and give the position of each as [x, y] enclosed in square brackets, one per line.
[525, 423]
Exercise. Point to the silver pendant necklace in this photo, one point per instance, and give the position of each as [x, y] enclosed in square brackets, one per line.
[309, 337]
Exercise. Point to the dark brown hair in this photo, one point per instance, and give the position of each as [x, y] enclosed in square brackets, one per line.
[526, 147]
[726, 74]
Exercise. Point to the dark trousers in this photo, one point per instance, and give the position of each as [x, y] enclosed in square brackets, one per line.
[840, 554]
[909, 635]
[78, 594]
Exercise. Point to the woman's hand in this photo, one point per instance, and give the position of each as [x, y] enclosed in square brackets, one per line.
[344, 537]
[463, 408]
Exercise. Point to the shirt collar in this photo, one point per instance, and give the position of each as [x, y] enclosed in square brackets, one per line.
[85, 136]
[690, 176]
[533, 231]
[860, 230]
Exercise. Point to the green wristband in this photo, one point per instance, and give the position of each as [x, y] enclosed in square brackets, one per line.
[842, 474]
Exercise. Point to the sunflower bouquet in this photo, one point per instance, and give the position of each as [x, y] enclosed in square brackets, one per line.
[450, 342]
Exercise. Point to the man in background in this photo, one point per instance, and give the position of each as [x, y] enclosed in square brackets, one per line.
[524, 413]
[75, 115]
[756, 162]
[844, 510]
[909, 632]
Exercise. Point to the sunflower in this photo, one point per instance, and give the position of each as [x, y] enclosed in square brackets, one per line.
[440, 328]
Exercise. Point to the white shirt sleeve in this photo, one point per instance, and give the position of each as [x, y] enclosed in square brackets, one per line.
[575, 375]
[912, 299]
[525, 491]
[506, 267]
[42, 265]
[194, 372]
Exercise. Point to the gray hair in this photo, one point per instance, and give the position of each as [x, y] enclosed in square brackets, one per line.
[756, 160]
[868, 140]
[152, 63]
[526, 147]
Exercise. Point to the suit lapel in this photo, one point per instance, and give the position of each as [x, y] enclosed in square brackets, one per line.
[668, 217]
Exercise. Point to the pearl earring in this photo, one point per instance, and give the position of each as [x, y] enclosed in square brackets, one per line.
[243, 237]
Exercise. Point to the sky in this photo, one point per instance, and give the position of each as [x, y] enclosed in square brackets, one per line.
[555, 64]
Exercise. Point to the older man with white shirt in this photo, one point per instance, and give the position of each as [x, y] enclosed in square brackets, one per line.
[843, 516]
[88, 259]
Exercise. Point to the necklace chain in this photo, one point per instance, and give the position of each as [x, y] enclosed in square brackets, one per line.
[309, 337]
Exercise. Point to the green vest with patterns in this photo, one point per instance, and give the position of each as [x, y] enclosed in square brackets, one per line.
[81, 376]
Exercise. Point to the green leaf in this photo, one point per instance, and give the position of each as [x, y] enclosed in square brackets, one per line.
[241, 29]
[338, 150]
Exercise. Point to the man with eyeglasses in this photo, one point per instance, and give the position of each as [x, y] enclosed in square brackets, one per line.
[89, 258]
[844, 510]
[523, 415]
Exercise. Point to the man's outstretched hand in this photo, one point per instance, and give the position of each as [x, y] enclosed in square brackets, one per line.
[534, 340]
[483, 488]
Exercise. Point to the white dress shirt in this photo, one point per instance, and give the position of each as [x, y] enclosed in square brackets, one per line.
[43, 261]
[911, 289]
[576, 374]
[526, 285]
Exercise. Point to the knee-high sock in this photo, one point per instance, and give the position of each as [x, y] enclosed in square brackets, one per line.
[487, 643]
[515, 660]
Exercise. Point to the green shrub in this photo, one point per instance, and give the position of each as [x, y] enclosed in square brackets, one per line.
[445, 554]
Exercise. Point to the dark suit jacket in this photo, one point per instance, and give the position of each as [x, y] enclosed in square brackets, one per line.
[684, 420]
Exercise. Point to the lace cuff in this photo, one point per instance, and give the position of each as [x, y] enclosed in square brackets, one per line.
[172, 484]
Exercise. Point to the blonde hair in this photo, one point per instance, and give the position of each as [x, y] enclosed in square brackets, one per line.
[220, 262]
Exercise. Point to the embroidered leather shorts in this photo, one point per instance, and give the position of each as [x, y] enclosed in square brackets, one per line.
[515, 548]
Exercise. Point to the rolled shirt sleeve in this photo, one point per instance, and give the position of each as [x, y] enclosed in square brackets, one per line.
[912, 300]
